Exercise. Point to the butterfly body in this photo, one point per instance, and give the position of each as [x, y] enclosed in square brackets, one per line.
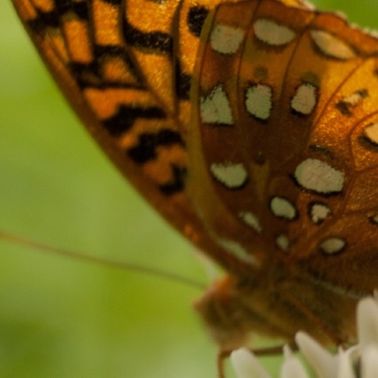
[251, 126]
[273, 303]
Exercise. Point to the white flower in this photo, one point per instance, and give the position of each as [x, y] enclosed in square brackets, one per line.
[358, 361]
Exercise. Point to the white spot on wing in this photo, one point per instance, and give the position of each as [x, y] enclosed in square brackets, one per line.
[316, 175]
[332, 245]
[308, 5]
[319, 212]
[226, 39]
[251, 220]
[350, 102]
[332, 46]
[305, 99]
[272, 33]
[231, 175]
[282, 242]
[258, 101]
[371, 133]
[237, 250]
[373, 218]
[215, 108]
[355, 98]
[282, 208]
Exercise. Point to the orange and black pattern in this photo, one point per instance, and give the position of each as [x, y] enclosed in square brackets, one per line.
[103, 48]
[126, 67]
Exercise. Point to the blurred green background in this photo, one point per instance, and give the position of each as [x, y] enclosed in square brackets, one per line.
[63, 318]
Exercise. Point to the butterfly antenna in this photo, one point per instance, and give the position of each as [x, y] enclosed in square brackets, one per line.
[131, 267]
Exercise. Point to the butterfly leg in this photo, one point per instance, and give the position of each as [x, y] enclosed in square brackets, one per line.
[273, 351]
[222, 355]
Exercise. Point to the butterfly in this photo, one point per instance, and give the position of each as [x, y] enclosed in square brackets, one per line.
[251, 127]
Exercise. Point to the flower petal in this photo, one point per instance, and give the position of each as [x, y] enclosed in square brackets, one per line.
[345, 369]
[323, 362]
[246, 365]
[367, 322]
[292, 367]
[369, 362]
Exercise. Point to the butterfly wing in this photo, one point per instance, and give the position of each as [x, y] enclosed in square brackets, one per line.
[346, 253]
[281, 95]
[118, 64]
[283, 158]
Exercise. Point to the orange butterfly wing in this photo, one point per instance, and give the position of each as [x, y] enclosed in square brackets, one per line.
[118, 65]
[127, 71]
[282, 167]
